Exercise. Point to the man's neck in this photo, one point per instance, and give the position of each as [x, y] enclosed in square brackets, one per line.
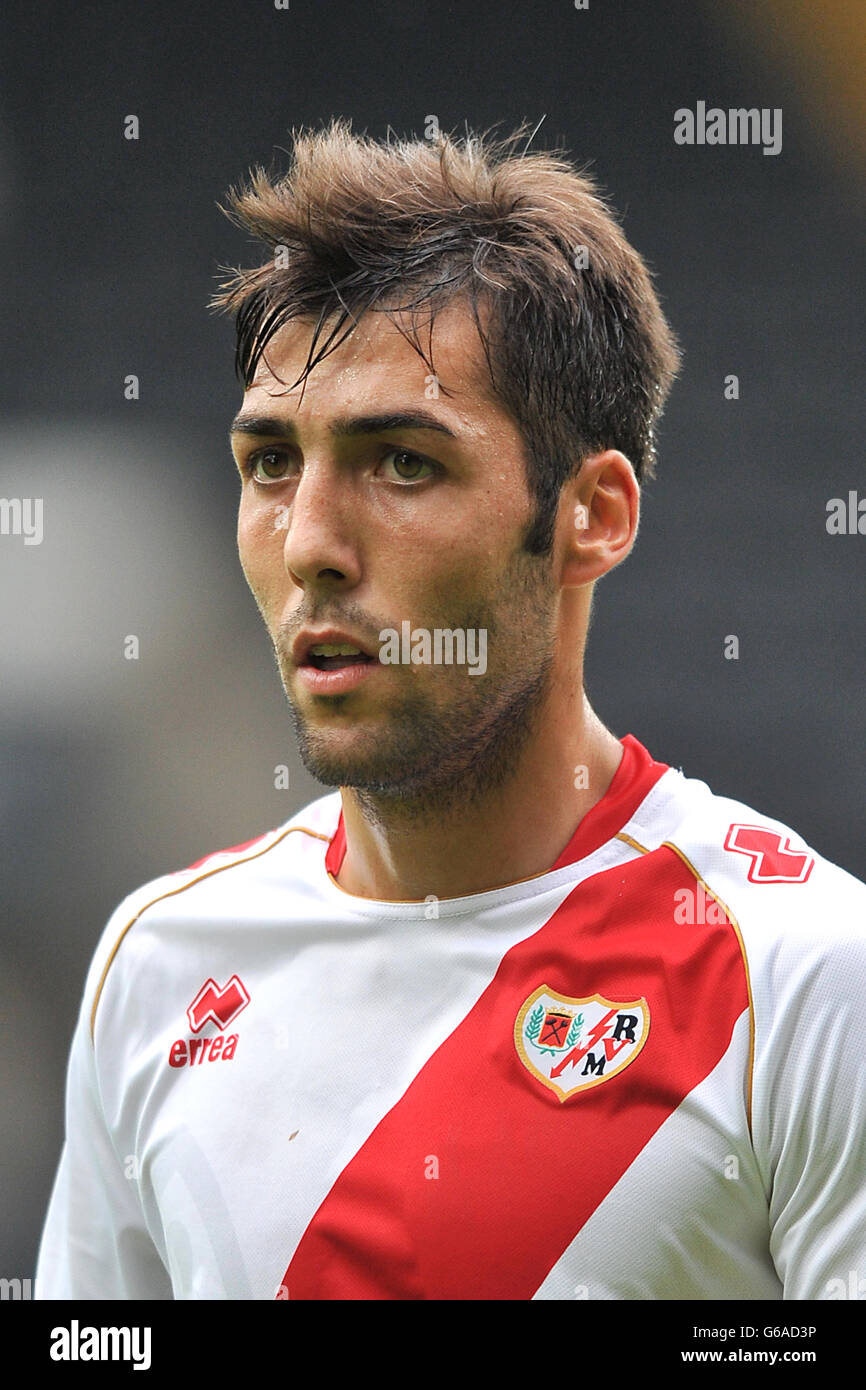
[514, 832]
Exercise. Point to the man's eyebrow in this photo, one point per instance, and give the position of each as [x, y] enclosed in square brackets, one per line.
[345, 426]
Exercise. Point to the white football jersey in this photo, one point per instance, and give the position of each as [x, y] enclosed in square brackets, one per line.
[638, 1075]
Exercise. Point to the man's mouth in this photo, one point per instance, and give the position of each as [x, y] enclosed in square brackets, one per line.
[332, 656]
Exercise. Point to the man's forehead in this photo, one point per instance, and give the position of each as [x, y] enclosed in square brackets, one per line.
[377, 352]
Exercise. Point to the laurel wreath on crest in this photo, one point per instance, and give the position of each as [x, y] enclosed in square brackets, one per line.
[533, 1028]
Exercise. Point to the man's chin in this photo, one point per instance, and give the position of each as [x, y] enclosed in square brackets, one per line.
[352, 758]
[374, 776]
[379, 751]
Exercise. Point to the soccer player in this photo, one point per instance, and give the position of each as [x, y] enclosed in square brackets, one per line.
[517, 1012]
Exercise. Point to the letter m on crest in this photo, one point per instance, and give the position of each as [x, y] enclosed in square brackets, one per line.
[772, 860]
[217, 1005]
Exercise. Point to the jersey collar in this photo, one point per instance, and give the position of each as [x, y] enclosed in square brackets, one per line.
[633, 780]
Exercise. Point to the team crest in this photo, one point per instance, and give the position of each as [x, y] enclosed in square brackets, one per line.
[572, 1044]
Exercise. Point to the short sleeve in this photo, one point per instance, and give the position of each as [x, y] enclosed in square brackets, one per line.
[810, 1103]
[95, 1243]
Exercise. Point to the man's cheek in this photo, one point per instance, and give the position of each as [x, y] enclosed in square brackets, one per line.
[260, 550]
[260, 580]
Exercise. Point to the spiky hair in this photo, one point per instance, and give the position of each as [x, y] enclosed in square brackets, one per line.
[577, 347]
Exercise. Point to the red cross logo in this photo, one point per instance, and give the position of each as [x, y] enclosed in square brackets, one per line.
[772, 860]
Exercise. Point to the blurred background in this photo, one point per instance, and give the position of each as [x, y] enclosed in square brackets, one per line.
[115, 771]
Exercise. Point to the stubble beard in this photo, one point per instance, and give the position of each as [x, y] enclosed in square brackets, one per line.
[432, 757]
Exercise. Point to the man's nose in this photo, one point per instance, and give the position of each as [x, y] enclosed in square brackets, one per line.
[322, 528]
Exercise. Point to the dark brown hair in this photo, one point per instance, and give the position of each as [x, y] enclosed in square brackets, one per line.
[578, 349]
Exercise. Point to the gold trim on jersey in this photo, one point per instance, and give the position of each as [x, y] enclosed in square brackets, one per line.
[512, 882]
[629, 841]
[171, 892]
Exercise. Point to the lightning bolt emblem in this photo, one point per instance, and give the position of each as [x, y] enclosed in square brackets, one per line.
[572, 1058]
[614, 1034]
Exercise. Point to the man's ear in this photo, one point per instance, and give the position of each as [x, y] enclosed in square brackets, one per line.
[597, 518]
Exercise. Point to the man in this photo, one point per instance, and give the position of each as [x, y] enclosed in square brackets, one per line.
[519, 1012]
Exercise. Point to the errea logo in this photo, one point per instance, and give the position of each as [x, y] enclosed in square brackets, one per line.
[219, 1006]
[212, 1004]
[185, 1053]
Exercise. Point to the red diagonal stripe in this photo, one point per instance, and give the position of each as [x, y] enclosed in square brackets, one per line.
[519, 1170]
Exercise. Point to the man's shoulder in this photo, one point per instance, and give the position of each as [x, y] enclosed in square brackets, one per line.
[772, 881]
[233, 880]
[306, 833]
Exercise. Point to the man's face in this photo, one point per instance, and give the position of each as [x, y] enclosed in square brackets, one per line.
[350, 527]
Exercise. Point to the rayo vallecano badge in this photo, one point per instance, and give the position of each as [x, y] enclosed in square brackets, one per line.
[572, 1044]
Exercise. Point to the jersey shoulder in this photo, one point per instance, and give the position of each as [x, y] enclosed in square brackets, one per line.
[291, 853]
[801, 921]
[775, 885]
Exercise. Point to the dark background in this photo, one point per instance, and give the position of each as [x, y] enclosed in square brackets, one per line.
[115, 771]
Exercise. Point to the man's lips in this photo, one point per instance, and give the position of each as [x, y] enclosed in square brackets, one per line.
[324, 662]
[339, 681]
[324, 673]
[307, 650]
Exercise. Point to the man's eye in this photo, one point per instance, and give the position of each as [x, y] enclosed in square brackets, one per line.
[268, 465]
[408, 466]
